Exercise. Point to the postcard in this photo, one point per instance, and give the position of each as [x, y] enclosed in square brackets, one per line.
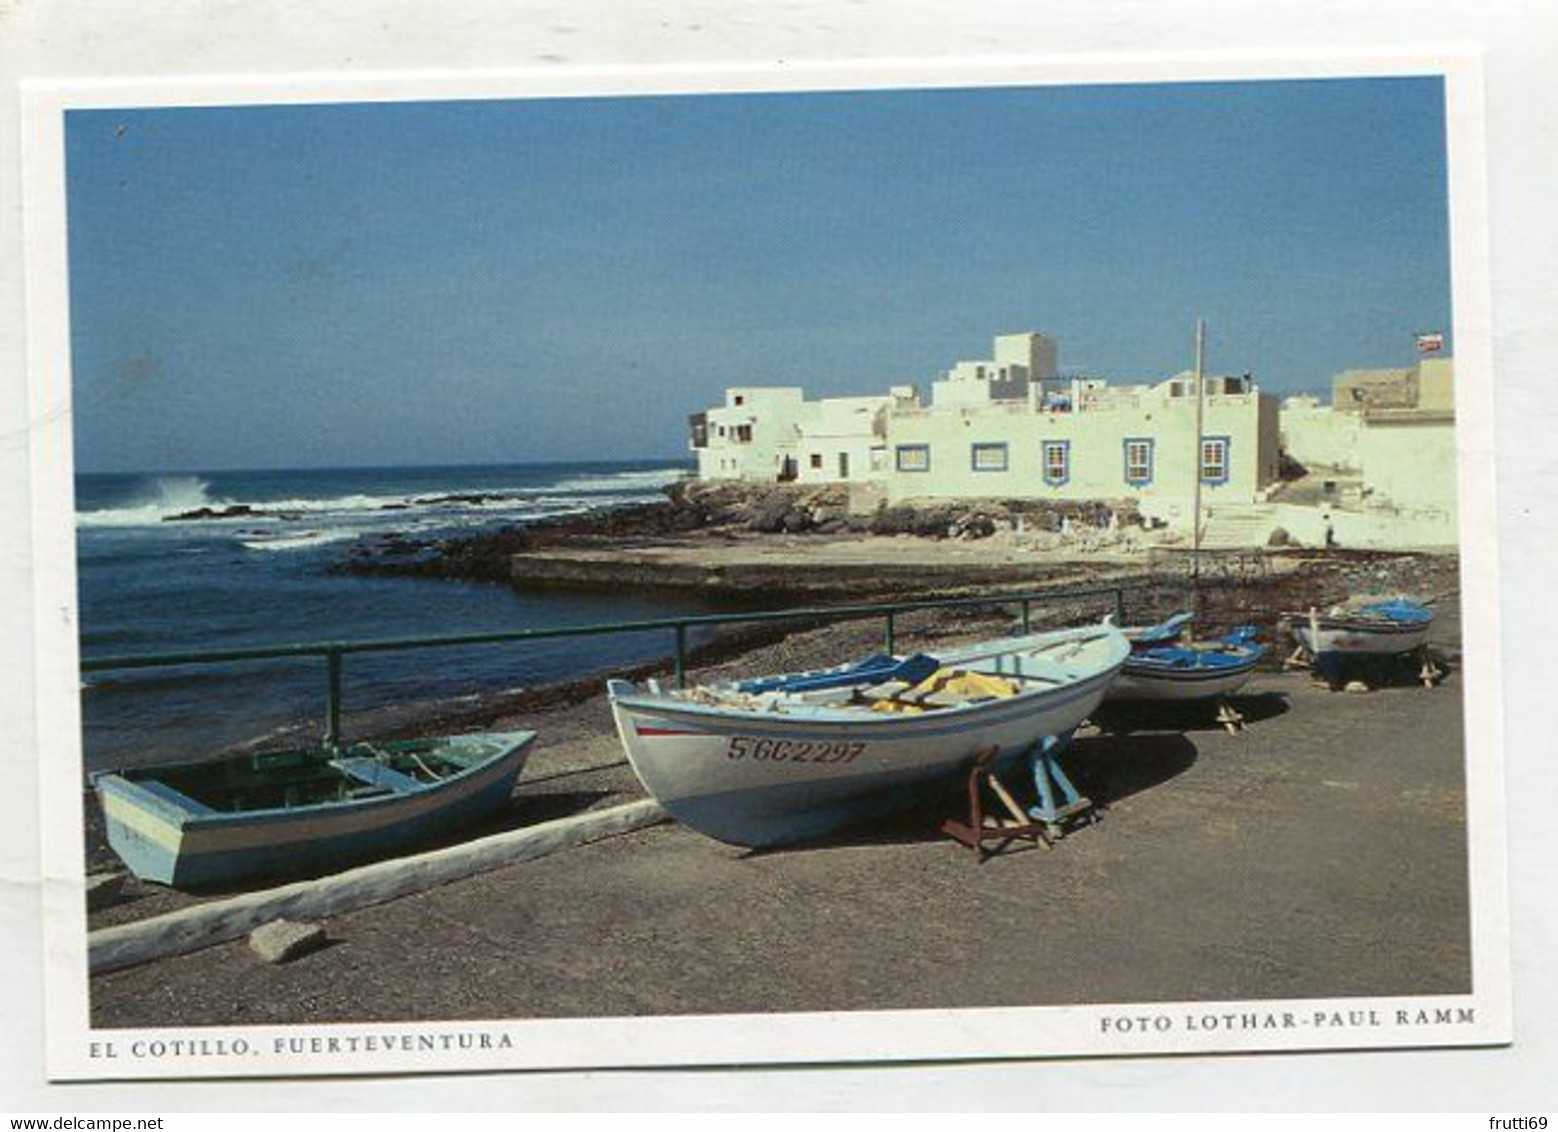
[796, 565]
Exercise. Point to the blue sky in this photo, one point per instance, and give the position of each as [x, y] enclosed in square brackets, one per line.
[471, 282]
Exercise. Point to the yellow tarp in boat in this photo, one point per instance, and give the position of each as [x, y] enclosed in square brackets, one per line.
[947, 686]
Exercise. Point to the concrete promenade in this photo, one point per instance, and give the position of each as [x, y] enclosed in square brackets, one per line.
[1320, 853]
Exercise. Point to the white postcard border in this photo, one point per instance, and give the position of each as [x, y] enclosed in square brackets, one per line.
[76, 1052]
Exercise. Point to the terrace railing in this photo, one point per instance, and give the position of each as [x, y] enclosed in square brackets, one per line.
[334, 652]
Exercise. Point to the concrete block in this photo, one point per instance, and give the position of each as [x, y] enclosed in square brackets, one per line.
[217, 921]
[103, 889]
[281, 941]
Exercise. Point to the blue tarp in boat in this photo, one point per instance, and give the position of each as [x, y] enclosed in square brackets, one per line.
[1399, 609]
[1173, 656]
[872, 670]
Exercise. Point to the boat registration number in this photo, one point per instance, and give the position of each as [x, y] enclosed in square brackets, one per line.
[791, 750]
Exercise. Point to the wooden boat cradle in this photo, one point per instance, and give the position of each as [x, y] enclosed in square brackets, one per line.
[1044, 823]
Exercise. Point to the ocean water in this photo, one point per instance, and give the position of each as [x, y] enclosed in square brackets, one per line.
[150, 585]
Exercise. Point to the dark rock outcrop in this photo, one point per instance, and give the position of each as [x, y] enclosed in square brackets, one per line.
[235, 511]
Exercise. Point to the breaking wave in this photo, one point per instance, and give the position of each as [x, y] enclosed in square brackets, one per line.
[171, 496]
[643, 482]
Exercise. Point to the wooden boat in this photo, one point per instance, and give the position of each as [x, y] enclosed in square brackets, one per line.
[787, 758]
[285, 813]
[1363, 628]
[1163, 666]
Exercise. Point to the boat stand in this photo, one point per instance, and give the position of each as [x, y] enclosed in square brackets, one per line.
[1048, 777]
[1044, 823]
[1229, 717]
[1335, 677]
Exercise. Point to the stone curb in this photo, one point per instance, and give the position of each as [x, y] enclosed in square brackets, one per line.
[205, 925]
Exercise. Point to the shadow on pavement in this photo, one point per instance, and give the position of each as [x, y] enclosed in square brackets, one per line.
[1125, 717]
[1105, 769]
[1111, 768]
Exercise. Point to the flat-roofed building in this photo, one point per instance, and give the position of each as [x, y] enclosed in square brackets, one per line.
[1110, 442]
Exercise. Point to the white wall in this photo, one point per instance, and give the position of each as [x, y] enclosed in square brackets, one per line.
[1410, 467]
[1096, 448]
[1319, 435]
[1364, 530]
[852, 427]
[774, 415]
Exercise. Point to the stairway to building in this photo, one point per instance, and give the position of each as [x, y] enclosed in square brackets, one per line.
[1238, 526]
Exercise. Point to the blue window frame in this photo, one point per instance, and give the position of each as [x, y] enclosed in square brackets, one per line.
[1056, 456]
[912, 457]
[988, 457]
[1138, 460]
[1215, 451]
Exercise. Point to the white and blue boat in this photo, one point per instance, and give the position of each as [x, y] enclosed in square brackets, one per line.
[786, 758]
[1163, 666]
[1363, 628]
[299, 812]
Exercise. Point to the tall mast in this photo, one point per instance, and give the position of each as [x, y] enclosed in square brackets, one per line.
[1195, 467]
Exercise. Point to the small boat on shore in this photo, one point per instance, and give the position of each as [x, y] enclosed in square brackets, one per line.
[785, 758]
[293, 812]
[1363, 628]
[1163, 666]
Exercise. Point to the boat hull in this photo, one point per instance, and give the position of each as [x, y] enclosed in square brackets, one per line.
[169, 838]
[1140, 683]
[1330, 635]
[755, 779]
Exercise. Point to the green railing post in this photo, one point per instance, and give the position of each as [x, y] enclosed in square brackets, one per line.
[1119, 606]
[681, 655]
[1027, 616]
[333, 698]
[888, 640]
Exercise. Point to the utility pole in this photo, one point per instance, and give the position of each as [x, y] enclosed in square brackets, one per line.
[1195, 514]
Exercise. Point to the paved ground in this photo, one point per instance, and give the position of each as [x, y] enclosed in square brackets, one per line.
[1320, 853]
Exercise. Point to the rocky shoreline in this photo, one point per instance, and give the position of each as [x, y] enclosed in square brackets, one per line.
[693, 511]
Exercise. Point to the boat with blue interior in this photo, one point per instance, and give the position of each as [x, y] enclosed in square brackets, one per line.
[785, 758]
[1166, 664]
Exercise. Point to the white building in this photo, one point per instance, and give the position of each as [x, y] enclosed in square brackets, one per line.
[773, 434]
[1383, 452]
[754, 435]
[846, 440]
[1098, 442]
[1007, 427]
[1024, 367]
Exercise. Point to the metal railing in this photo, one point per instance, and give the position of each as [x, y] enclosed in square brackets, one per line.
[334, 651]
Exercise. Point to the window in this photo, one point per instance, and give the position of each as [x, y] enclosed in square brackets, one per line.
[1214, 459]
[740, 400]
[913, 457]
[743, 434]
[816, 461]
[843, 465]
[1138, 462]
[988, 457]
[1057, 462]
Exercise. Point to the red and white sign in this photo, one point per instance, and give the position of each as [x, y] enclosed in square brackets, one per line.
[1430, 343]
